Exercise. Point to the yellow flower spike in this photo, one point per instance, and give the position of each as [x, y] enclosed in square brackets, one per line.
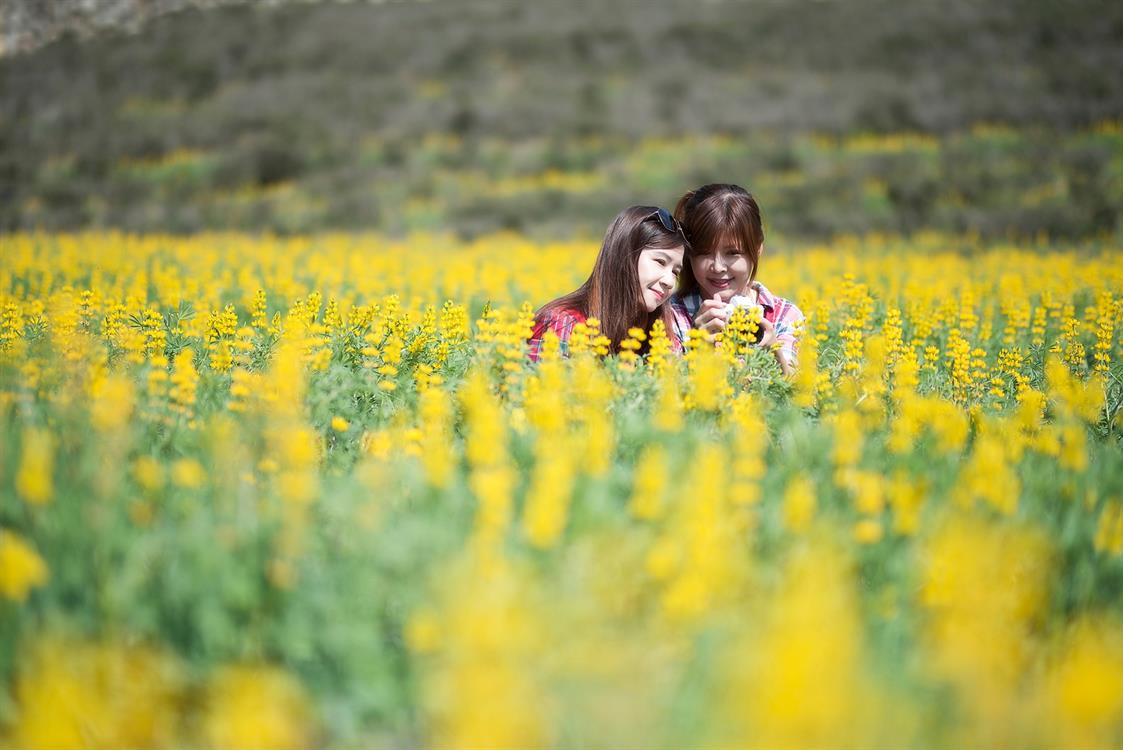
[148, 473]
[806, 380]
[660, 354]
[649, 486]
[81, 694]
[1109, 529]
[709, 571]
[378, 444]
[797, 679]
[848, 438]
[985, 586]
[707, 378]
[663, 559]
[188, 473]
[34, 477]
[111, 403]
[548, 497]
[906, 497]
[258, 311]
[668, 409]
[256, 706]
[435, 417]
[798, 510]
[868, 531]
[1083, 687]
[21, 567]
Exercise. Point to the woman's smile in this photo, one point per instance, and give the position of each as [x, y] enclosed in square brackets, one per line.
[724, 271]
[658, 293]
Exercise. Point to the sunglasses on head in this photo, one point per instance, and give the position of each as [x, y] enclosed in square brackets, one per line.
[667, 220]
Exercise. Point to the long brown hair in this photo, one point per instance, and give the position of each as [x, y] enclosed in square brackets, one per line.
[715, 212]
[611, 293]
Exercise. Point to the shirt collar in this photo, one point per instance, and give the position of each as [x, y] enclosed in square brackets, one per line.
[764, 297]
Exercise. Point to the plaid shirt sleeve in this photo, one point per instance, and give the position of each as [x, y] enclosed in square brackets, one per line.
[785, 316]
[561, 322]
[682, 323]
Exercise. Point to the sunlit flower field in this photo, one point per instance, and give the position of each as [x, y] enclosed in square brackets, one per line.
[263, 492]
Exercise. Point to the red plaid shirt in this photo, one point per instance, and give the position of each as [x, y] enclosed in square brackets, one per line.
[562, 323]
[781, 313]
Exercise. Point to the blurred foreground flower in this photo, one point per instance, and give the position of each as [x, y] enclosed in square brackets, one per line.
[79, 695]
[21, 568]
[256, 707]
[34, 480]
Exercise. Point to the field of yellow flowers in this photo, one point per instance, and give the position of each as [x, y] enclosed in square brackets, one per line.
[293, 492]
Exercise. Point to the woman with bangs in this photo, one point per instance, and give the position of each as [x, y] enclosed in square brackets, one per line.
[632, 280]
[726, 240]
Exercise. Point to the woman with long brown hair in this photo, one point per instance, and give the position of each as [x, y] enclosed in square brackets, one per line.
[726, 240]
[633, 277]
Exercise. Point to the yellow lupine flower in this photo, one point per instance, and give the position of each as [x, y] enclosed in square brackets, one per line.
[188, 473]
[650, 483]
[800, 682]
[668, 410]
[1084, 687]
[256, 707]
[111, 404]
[548, 497]
[847, 438]
[34, 479]
[21, 567]
[799, 504]
[868, 531]
[437, 455]
[75, 694]
[1109, 530]
[149, 473]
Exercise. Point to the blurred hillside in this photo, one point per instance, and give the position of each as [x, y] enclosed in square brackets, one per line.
[28, 24]
[865, 115]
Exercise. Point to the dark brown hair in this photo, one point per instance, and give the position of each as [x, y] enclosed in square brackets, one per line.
[717, 212]
[611, 293]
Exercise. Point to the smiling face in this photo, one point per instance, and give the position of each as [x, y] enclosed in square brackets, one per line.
[724, 269]
[658, 270]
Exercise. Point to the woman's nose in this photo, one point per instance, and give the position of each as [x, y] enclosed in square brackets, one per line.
[719, 262]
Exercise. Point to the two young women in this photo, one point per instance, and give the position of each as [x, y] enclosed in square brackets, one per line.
[710, 250]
